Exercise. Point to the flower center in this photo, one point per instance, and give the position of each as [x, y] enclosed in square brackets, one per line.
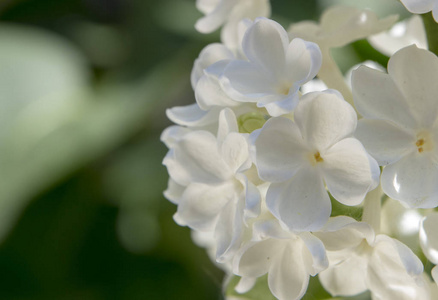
[284, 88]
[315, 158]
[424, 142]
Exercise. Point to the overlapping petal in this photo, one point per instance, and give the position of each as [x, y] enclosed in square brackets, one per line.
[412, 180]
[324, 118]
[386, 142]
[301, 203]
[349, 172]
[280, 150]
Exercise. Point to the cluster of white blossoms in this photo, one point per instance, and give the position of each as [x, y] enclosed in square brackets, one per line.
[257, 162]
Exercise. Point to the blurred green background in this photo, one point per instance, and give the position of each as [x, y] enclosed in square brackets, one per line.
[84, 85]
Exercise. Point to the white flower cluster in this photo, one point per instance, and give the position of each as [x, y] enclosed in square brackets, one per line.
[256, 164]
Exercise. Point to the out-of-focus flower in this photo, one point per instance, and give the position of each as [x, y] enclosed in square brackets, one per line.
[399, 128]
[339, 26]
[299, 157]
[429, 241]
[401, 35]
[422, 6]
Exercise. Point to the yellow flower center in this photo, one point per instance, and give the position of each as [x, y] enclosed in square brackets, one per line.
[315, 158]
[424, 142]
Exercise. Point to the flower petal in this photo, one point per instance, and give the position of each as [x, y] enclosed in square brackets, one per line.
[314, 254]
[287, 278]
[347, 278]
[412, 180]
[265, 44]
[415, 72]
[196, 158]
[235, 151]
[246, 82]
[303, 60]
[201, 204]
[349, 172]
[192, 115]
[429, 237]
[377, 97]
[324, 118]
[301, 203]
[255, 258]
[279, 150]
[418, 7]
[385, 142]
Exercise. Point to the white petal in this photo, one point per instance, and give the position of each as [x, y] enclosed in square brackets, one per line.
[393, 270]
[172, 134]
[214, 18]
[265, 44]
[418, 7]
[208, 56]
[235, 151]
[415, 72]
[209, 93]
[344, 232]
[412, 180]
[282, 104]
[347, 278]
[314, 254]
[348, 171]
[229, 230]
[255, 258]
[435, 274]
[377, 97]
[246, 82]
[174, 191]
[324, 119]
[227, 124]
[303, 60]
[192, 115]
[429, 237]
[201, 204]
[287, 278]
[301, 203]
[197, 159]
[245, 284]
[279, 150]
[385, 142]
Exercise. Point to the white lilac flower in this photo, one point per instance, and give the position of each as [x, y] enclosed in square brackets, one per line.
[339, 26]
[229, 13]
[274, 70]
[210, 97]
[402, 34]
[429, 241]
[299, 157]
[288, 259]
[422, 6]
[360, 261]
[217, 196]
[399, 128]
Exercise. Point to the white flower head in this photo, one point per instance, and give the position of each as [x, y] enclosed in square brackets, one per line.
[422, 6]
[288, 258]
[361, 261]
[217, 196]
[274, 70]
[400, 128]
[299, 157]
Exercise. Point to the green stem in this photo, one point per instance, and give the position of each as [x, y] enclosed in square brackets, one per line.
[431, 32]
[372, 208]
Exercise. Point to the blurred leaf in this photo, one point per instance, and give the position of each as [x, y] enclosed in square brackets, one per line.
[59, 127]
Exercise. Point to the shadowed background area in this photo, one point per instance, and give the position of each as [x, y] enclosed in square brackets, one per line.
[84, 85]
